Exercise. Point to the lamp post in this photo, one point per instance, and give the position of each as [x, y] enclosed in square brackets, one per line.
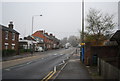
[32, 31]
[33, 21]
[82, 37]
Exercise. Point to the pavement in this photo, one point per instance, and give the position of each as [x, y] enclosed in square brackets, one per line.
[74, 69]
[93, 70]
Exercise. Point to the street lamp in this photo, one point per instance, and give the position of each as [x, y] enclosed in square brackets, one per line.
[32, 30]
[33, 21]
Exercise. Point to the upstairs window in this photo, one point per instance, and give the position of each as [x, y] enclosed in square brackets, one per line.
[6, 35]
[13, 36]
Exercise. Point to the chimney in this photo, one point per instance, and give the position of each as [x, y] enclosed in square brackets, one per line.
[51, 34]
[25, 38]
[20, 39]
[46, 33]
[11, 25]
[54, 36]
[41, 31]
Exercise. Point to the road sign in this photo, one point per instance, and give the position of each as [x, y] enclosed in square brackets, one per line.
[82, 43]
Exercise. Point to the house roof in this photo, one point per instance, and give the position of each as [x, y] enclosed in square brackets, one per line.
[48, 36]
[4, 28]
[116, 36]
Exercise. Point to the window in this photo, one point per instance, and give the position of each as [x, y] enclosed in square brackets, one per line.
[6, 46]
[13, 46]
[13, 36]
[6, 34]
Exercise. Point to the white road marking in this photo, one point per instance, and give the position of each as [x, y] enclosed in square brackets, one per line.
[55, 69]
[7, 69]
[55, 54]
[42, 58]
[29, 62]
[63, 61]
[67, 57]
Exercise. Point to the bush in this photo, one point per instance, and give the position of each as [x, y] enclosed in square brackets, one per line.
[8, 52]
[24, 50]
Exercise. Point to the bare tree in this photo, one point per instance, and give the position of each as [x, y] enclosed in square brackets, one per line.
[98, 24]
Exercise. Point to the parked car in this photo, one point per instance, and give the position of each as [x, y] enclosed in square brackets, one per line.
[67, 45]
[39, 49]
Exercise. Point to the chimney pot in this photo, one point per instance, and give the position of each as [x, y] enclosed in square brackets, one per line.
[11, 25]
[51, 34]
[46, 33]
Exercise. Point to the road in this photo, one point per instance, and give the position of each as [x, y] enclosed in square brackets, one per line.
[36, 68]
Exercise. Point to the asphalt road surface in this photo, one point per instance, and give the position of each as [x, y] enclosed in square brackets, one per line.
[37, 68]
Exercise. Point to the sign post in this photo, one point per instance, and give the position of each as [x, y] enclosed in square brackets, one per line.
[82, 51]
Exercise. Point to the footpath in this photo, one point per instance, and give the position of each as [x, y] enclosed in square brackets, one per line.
[73, 70]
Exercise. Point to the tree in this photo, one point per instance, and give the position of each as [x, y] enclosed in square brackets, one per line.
[98, 24]
[73, 40]
[64, 41]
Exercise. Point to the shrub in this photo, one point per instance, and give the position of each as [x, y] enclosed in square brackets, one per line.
[24, 50]
[8, 52]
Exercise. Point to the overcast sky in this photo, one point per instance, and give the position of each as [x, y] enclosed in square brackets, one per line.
[60, 18]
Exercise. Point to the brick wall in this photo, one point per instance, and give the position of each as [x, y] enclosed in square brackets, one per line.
[99, 51]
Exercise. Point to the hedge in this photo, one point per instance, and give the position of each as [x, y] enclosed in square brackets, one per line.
[24, 50]
[8, 52]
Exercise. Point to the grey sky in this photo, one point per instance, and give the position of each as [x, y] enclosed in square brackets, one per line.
[60, 18]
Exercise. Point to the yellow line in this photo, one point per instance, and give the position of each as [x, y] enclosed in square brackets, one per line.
[50, 76]
[47, 76]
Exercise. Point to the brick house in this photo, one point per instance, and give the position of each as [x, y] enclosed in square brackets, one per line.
[41, 35]
[50, 41]
[55, 42]
[10, 38]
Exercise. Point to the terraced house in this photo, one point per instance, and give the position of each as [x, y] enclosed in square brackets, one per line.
[50, 41]
[9, 39]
